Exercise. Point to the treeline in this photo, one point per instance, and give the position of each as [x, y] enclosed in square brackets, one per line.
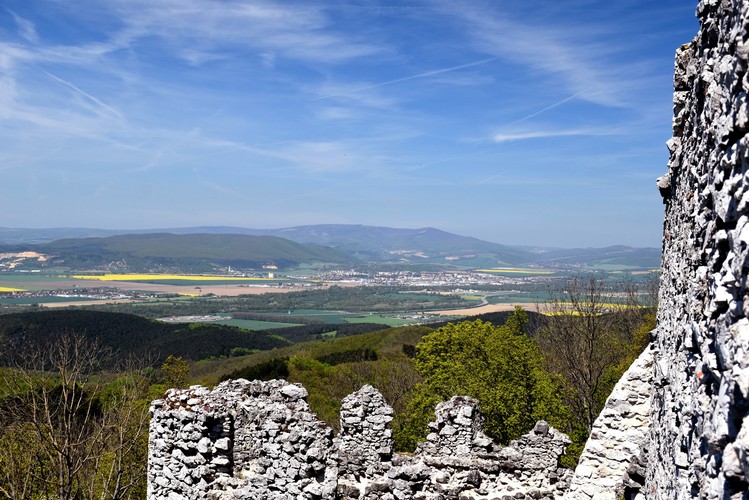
[535, 320]
[276, 368]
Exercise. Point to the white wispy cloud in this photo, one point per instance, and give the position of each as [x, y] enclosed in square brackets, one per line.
[576, 60]
[543, 134]
[301, 157]
[11, 54]
[161, 156]
[337, 113]
[369, 98]
[199, 31]
[26, 28]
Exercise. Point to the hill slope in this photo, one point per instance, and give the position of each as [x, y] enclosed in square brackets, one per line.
[155, 251]
[129, 334]
[387, 243]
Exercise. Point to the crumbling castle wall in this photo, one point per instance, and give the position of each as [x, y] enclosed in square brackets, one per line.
[459, 461]
[241, 440]
[260, 440]
[612, 463]
[699, 443]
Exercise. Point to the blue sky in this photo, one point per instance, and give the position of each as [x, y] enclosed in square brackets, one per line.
[521, 122]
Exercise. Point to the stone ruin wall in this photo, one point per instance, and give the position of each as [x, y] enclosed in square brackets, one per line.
[260, 440]
[612, 464]
[698, 446]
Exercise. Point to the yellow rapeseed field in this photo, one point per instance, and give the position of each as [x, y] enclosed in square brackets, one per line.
[600, 307]
[161, 277]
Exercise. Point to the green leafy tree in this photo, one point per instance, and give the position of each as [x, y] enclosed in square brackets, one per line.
[175, 371]
[500, 366]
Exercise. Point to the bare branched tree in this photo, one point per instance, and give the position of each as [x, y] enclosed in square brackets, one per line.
[588, 331]
[68, 428]
[395, 379]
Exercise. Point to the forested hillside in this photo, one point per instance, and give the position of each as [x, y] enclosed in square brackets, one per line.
[128, 334]
[187, 252]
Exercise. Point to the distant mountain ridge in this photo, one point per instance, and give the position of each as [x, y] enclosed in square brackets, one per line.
[333, 243]
[386, 243]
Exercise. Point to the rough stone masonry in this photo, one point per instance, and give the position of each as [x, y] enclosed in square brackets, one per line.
[698, 445]
[260, 440]
[611, 465]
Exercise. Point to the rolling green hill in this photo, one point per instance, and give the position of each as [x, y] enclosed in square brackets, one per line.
[147, 252]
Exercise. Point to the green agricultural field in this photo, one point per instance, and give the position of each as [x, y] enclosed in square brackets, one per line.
[255, 325]
[384, 320]
[28, 277]
[33, 282]
[326, 316]
[331, 317]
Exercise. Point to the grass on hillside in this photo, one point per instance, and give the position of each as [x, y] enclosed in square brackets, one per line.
[388, 343]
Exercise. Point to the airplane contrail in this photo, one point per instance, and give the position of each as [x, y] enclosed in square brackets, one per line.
[412, 77]
[544, 110]
[93, 99]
